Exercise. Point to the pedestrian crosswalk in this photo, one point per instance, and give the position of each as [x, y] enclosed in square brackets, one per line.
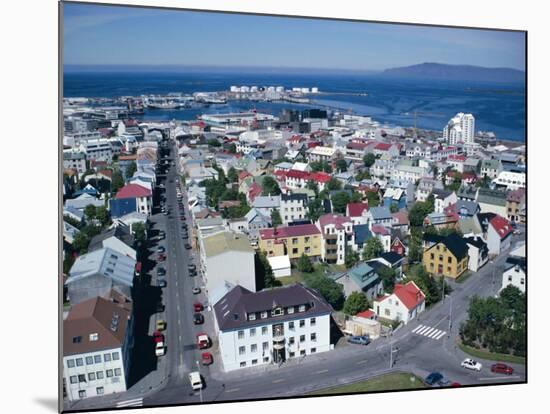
[136, 402]
[429, 332]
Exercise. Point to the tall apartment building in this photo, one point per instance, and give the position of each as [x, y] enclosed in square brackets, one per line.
[460, 128]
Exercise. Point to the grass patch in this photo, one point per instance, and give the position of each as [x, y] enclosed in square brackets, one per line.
[491, 356]
[463, 276]
[296, 277]
[388, 382]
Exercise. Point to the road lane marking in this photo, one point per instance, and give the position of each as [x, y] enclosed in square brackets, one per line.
[322, 371]
[417, 328]
[500, 378]
[435, 333]
[423, 330]
[362, 361]
[136, 402]
[277, 381]
[438, 337]
[233, 390]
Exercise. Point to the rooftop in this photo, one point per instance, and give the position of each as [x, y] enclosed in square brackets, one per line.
[226, 241]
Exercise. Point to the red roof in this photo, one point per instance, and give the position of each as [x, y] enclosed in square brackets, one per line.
[382, 146]
[410, 295]
[402, 217]
[133, 191]
[357, 145]
[501, 226]
[460, 158]
[336, 220]
[368, 314]
[289, 231]
[516, 195]
[379, 229]
[254, 191]
[320, 177]
[303, 175]
[357, 209]
[243, 175]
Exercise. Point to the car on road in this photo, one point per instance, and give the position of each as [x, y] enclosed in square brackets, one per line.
[161, 325]
[196, 290]
[433, 378]
[161, 257]
[456, 384]
[359, 340]
[160, 307]
[203, 341]
[195, 380]
[161, 249]
[198, 319]
[158, 336]
[443, 382]
[500, 368]
[161, 271]
[162, 283]
[184, 236]
[192, 266]
[206, 358]
[472, 364]
[187, 246]
[197, 307]
[160, 349]
[516, 232]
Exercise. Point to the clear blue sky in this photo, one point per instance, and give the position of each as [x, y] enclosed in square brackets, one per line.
[133, 36]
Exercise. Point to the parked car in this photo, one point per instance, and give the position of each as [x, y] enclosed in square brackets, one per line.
[158, 336]
[196, 290]
[192, 266]
[187, 246]
[160, 307]
[198, 319]
[160, 349]
[162, 283]
[501, 368]
[433, 378]
[443, 382]
[161, 257]
[472, 364]
[456, 384]
[206, 358]
[195, 380]
[197, 307]
[161, 271]
[161, 249]
[359, 340]
[203, 341]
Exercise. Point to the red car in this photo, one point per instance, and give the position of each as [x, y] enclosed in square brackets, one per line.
[203, 341]
[455, 384]
[197, 306]
[161, 257]
[206, 358]
[501, 368]
[158, 337]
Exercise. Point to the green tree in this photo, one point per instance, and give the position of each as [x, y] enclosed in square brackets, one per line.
[232, 149]
[415, 245]
[356, 302]
[213, 142]
[139, 232]
[341, 165]
[315, 209]
[320, 166]
[276, 219]
[369, 159]
[339, 202]
[363, 175]
[265, 271]
[373, 248]
[352, 257]
[90, 212]
[333, 292]
[80, 243]
[418, 212]
[426, 283]
[232, 175]
[103, 215]
[312, 185]
[373, 199]
[393, 208]
[304, 264]
[72, 221]
[270, 186]
[356, 197]
[117, 181]
[388, 276]
[334, 184]
[131, 169]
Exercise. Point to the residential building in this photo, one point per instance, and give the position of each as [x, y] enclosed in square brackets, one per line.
[292, 241]
[280, 265]
[445, 255]
[492, 201]
[267, 204]
[117, 238]
[360, 278]
[256, 221]
[379, 215]
[460, 129]
[383, 234]
[499, 234]
[511, 180]
[337, 232]
[443, 199]
[490, 168]
[97, 345]
[97, 149]
[143, 197]
[271, 326]
[392, 260]
[319, 153]
[227, 257]
[76, 160]
[515, 203]
[357, 212]
[293, 207]
[515, 273]
[425, 187]
[69, 232]
[478, 252]
[403, 171]
[405, 303]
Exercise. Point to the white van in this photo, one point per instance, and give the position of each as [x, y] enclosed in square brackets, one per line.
[195, 380]
[159, 349]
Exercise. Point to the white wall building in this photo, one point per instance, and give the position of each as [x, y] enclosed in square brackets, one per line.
[404, 304]
[293, 207]
[460, 128]
[511, 180]
[515, 273]
[271, 326]
[98, 149]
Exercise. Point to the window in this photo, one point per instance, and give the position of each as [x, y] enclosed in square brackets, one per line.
[82, 394]
[266, 359]
[294, 251]
[115, 356]
[81, 378]
[118, 372]
[251, 316]
[302, 323]
[509, 278]
[449, 260]
[307, 250]
[307, 240]
[265, 346]
[313, 350]
[302, 352]
[242, 350]
[440, 258]
[264, 330]
[431, 265]
[91, 376]
[94, 337]
[97, 359]
[522, 281]
[294, 241]
[253, 332]
[99, 390]
[79, 362]
[312, 322]
[387, 312]
[89, 360]
[70, 363]
[242, 364]
[291, 340]
[99, 375]
[313, 336]
[109, 373]
[290, 310]
[106, 357]
[253, 348]
[263, 315]
[73, 379]
[240, 334]
[77, 339]
[302, 338]
[254, 361]
[302, 308]
[291, 325]
[431, 256]
[448, 268]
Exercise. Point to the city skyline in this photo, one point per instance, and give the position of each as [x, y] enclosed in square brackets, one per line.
[144, 36]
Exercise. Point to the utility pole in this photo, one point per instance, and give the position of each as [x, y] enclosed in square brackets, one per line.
[200, 389]
[450, 316]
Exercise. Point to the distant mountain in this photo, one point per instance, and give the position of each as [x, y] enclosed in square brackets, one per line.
[439, 71]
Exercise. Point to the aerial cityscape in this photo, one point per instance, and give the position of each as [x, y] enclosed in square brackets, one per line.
[238, 232]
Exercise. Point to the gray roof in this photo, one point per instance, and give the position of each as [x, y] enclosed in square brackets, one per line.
[440, 193]
[121, 232]
[380, 213]
[69, 210]
[105, 262]
[82, 201]
[267, 202]
[471, 207]
[232, 310]
[494, 197]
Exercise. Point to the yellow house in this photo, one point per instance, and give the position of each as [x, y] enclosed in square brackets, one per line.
[445, 255]
[291, 241]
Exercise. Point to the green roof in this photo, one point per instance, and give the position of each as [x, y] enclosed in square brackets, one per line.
[362, 275]
[494, 197]
[226, 241]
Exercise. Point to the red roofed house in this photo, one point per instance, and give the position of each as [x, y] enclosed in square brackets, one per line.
[357, 212]
[457, 162]
[297, 178]
[499, 234]
[382, 148]
[254, 191]
[143, 196]
[404, 304]
[291, 241]
[321, 178]
[397, 246]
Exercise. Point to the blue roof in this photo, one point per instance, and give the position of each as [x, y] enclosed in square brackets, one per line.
[91, 191]
[362, 233]
[123, 206]
[380, 213]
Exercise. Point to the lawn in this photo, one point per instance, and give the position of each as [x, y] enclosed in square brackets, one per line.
[298, 277]
[491, 356]
[388, 382]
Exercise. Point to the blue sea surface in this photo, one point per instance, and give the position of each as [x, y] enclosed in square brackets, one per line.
[497, 107]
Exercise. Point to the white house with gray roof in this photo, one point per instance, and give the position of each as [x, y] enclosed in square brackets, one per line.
[271, 326]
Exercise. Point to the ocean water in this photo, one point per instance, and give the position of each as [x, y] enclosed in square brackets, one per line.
[497, 107]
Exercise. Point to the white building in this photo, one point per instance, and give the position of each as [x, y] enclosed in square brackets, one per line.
[293, 207]
[321, 154]
[271, 326]
[478, 253]
[404, 304]
[75, 160]
[511, 180]
[98, 149]
[515, 273]
[227, 257]
[460, 128]
[97, 342]
[336, 231]
[280, 265]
